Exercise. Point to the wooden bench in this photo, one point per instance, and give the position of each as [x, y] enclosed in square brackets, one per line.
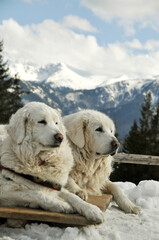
[57, 218]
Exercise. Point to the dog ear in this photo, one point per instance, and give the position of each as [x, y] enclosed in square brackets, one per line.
[75, 128]
[17, 126]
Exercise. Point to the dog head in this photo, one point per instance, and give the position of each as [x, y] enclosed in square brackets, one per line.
[93, 131]
[39, 123]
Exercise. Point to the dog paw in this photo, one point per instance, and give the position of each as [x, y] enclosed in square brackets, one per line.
[82, 193]
[131, 208]
[94, 214]
[126, 205]
[135, 210]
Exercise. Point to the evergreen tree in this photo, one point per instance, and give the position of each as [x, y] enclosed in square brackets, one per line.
[145, 124]
[146, 113]
[16, 95]
[10, 91]
[144, 139]
[131, 142]
[154, 133]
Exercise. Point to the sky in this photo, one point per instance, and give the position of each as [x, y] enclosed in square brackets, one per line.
[112, 38]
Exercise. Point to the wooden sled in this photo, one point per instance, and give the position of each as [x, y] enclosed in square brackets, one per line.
[58, 219]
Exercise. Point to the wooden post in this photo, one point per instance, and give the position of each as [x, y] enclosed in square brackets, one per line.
[136, 159]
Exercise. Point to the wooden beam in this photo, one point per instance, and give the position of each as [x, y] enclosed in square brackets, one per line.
[59, 218]
[42, 216]
[136, 159]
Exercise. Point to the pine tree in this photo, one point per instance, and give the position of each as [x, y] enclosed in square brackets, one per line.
[143, 138]
[131, 142]
[145, 124]
[154, 133]
[140, 138]
[5, 84]
[146, 113]
[10, 91]
[16, 95]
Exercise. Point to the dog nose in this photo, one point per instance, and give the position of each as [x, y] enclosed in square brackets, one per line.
[58, 137]
[115, 144]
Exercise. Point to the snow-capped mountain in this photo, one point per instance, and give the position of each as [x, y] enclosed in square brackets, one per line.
[56, 75]
[61, 87]
[59, 75]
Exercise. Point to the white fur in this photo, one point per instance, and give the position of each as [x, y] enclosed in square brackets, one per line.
[3, 129]
[3, 134]
[92, 150]
[29, 142]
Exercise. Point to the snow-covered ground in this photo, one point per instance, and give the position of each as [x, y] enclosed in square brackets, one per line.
[117, 225]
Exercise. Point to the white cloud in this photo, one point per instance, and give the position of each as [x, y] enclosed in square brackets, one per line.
[126, 12]
[128, 27]
[75, 22]
[152, 45]
[51, 42]
[135, 10]
[134, 44]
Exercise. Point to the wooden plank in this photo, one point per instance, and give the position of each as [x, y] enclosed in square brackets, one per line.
[60, 218]
[136, 159]
[100, 201]
[42, 216]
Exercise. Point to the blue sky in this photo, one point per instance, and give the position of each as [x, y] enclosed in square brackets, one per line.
[100, 37]
[29, 12]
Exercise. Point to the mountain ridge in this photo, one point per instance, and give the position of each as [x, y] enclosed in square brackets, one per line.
[60, 75]
[57, 86]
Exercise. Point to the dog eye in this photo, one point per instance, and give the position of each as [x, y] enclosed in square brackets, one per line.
[56, 123]
[43, 122]
[100, 129]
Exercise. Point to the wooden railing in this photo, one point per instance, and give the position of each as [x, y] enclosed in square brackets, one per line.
[136, 159]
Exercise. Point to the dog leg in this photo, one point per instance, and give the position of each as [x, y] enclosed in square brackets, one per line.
[74, 188]
[88, 210]
[46, 200]
[22, 192]
[123, 202]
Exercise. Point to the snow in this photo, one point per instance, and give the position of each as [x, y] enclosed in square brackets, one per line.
[60, 75]
[55, 74]
[117, 225]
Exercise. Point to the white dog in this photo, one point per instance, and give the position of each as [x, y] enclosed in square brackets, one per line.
[3, 134]
[91, 136]
[36, 153]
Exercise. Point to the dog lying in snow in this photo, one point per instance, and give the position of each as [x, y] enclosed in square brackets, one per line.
[36, 150]
[91, 137]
